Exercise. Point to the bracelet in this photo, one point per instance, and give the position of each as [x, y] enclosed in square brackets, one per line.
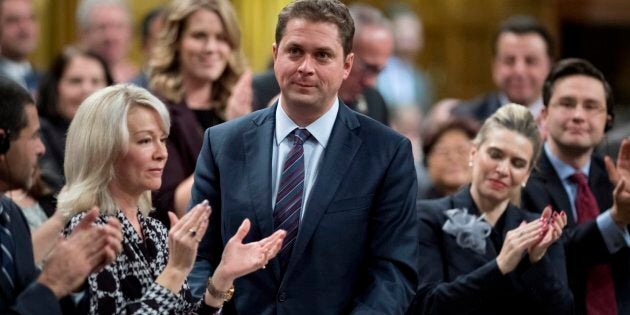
[221, 295]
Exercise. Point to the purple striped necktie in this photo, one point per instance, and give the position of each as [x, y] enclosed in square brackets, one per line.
[286, 214]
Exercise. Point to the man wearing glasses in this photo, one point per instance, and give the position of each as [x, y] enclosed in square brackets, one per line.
[373, 44]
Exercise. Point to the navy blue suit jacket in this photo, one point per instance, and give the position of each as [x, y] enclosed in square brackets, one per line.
[356, 251]
[458, 280]
[28, 297]
[584, 244]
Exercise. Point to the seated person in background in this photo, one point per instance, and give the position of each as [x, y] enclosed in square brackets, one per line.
[483, 255]
[446, 157]
[23, 288]
[73, 75]
[105, 27]
[407, 120]
[116, 165]
[37, 204]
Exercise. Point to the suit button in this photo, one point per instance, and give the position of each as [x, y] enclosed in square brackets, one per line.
[282, 296]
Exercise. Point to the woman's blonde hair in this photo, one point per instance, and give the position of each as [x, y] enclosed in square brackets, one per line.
[516, 118]
[164, 65]
[98, 136]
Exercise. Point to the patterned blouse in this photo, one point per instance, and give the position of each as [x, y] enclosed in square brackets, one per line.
[127, 286]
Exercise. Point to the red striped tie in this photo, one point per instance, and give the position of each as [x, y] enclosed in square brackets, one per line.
[600, 288]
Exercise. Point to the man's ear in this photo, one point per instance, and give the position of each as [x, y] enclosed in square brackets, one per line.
[274, 52]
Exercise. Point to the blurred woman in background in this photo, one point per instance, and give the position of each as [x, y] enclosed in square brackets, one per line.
[198, 69]
[446, 151]
[73, 75]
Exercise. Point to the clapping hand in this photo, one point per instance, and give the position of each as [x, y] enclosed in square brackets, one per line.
[553, 223]
[240, 102]
[185, 235]
[516, 242]
[240, 259]
[88, 249]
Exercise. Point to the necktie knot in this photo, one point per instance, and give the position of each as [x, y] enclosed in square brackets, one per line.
[300, 136]
[579, 178]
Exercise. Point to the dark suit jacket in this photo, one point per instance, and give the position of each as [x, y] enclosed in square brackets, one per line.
[28, 297]
[457, 280]
[584, 244]
[478, 108]
[356, 251]
[376, 107]
[265, 88]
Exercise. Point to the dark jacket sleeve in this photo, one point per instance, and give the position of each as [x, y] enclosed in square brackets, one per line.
[35, 298]
[547, 283]
[394, 252]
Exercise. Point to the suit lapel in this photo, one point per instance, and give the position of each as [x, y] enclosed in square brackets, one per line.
[258, 150]
[338, 156]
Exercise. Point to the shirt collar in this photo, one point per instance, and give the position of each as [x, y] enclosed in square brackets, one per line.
[320, 129]
[564, 170]
[17, 69]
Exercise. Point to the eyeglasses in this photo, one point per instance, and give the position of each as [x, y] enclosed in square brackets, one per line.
[367, 68]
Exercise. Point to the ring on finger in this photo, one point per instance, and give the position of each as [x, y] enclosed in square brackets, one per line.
[192, 232]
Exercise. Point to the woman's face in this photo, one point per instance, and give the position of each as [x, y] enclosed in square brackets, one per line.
[82, 77]
[448, 161]
[203, 50]
[141, 168]
[500, 164]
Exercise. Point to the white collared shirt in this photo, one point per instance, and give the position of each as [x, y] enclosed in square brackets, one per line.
[314, 147]
[16, 71]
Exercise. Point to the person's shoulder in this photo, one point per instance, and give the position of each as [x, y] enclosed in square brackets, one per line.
[433, 208]
[368, 126]
[476, 106]
[11, 207]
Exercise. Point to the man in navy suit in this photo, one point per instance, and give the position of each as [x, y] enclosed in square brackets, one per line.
[354, 245]
[23, 289]
[19, 32]
[522, 56]
[578, 110]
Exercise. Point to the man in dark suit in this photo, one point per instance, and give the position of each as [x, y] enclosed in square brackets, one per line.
[522, 55]
[342, 185]
[18, 39]
[373, 44]
[571, 177]
[23, 289]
